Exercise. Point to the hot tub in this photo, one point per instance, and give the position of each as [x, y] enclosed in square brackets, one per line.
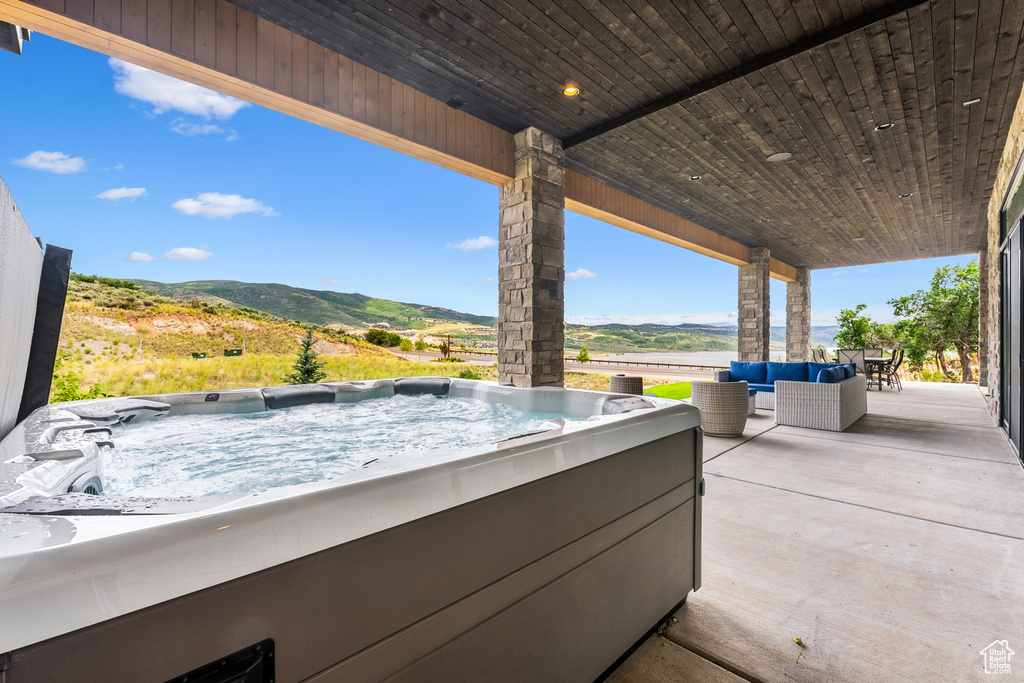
[541, 556]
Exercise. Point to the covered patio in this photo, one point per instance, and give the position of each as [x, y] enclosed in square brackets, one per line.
[892, 550]
[779, 137]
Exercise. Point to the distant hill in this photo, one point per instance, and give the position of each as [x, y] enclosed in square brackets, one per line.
[314, 306]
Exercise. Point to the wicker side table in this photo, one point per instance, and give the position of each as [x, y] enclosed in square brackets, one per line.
[626, 384]
[723, 407]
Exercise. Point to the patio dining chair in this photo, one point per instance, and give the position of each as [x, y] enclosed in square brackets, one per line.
[818, 356]
[855, 356]
[890, 371]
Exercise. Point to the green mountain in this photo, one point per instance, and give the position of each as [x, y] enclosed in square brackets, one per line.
[313, 306]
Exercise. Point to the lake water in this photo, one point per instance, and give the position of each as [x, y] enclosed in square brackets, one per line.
[720, 358]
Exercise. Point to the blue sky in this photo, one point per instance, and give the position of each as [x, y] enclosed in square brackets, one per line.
[145, 177]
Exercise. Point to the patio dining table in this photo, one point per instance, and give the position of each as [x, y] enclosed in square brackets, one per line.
[873, 366]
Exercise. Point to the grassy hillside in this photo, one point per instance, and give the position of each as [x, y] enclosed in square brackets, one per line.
[313, 306]
[123, 340]
[617, 338]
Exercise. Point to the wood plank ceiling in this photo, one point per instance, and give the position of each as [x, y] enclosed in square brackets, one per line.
[836, 202]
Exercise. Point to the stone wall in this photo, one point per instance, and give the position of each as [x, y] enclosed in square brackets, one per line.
[531, 264]
[753, 307]
[798, 317]
[21, 261]
[1007, 164]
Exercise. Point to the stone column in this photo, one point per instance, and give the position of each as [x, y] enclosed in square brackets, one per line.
[798, 317]
[753, 311]
[983, 305]
[531, 264]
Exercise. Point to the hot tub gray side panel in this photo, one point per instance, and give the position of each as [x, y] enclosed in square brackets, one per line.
[559, 576]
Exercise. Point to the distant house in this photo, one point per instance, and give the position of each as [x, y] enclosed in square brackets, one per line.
[381, 326]
[997, 657]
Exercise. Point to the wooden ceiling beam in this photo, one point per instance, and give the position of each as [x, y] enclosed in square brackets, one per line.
[744, 70]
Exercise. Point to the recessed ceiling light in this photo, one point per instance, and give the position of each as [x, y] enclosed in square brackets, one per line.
[859, 239]
[571, 90]
[765, 220]
[780, 156]
[695, 177]
[883, 126]
[970, 102]
[906, 194]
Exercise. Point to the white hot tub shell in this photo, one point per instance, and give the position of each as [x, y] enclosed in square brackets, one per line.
[543, 557]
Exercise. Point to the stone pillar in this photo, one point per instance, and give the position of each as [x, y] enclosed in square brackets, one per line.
[798, 317]
[753, 312]
[983, 285]
[531, 264]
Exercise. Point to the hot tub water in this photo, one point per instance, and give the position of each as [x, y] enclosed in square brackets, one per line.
[242, 453]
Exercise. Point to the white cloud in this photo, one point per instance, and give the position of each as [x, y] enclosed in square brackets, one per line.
[167, 93]
[117, 193]
[473, 244]
[332, 280]
[140, 257]
[731, 314]
[579, 274]
[188, 129]
[188, 254]
[217, 205]
[54, 162]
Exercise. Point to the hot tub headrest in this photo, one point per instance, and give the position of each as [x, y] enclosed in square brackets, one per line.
[114, 410]
[624, 404]
[414, 386]
[297, 395]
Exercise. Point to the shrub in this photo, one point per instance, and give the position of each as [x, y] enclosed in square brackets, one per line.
[379, 337]
[469, 374]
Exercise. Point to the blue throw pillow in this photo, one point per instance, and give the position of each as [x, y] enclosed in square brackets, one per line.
[793, 372]
[753, 372]
[851, 370]
[814, 368]
[831, 375]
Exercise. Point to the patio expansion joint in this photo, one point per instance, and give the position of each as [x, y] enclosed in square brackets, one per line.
[883, 416]
[741, 443]
[866, 507]
[900, 448]
[714, 659]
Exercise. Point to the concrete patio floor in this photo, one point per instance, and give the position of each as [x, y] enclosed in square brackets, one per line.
[894, 550]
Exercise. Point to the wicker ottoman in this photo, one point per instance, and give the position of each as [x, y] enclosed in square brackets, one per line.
[723, 407]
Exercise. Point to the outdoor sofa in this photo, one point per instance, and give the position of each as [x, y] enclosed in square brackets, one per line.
[813, 395]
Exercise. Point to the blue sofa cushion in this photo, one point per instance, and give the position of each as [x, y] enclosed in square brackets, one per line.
[754, 372]
[793, 372]
[851, 369]
[831, 375]
[762, 387]
[814, 368]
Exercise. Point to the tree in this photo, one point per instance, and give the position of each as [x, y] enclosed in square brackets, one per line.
[405, 345]
[420, 345]
[308, 370]
[583, 356]
[854, 328]
[379, 337]
[941, 318]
